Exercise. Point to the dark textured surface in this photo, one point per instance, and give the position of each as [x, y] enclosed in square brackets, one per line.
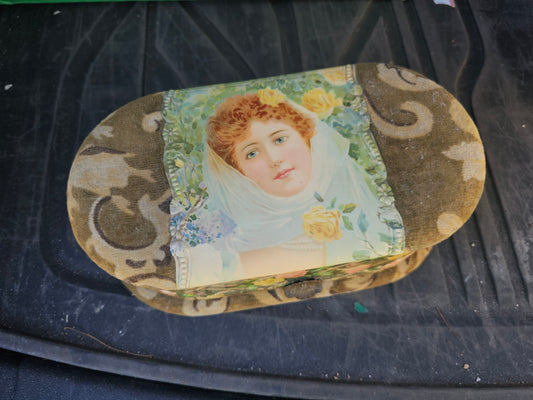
[26, 377]
[469, 304]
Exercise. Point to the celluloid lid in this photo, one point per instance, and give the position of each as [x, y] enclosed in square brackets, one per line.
[393, 164]
[275, 176]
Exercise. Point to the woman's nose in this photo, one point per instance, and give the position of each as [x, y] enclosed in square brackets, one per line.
[274, 156]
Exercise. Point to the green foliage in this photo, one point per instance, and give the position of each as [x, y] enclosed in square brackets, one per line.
[361, 255]
[318, 197]
[348, 208]
[386, 239]
[347, 224]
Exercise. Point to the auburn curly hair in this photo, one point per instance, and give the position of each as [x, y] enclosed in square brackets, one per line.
[232, 119]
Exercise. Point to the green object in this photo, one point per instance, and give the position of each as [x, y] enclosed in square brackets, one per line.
[361, 309]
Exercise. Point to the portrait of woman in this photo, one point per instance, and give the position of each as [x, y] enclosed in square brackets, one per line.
[282, 194]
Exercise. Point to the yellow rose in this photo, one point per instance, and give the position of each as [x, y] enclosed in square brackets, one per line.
[271, 97]
[320, 102]
[322, 225]
[335, 76]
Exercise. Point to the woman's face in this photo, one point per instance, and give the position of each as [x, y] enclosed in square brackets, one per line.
[276, 157]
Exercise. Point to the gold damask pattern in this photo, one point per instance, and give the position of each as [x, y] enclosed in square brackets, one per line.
[429, 170]
[118, 196]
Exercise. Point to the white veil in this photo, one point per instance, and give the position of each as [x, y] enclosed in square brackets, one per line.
[264, 220]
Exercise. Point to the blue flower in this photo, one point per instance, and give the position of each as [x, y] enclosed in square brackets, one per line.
[204, 227]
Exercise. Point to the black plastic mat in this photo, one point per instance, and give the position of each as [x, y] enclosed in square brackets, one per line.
[464, 319]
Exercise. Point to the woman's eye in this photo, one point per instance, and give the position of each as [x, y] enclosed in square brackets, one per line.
[281, 139]
[251, 154]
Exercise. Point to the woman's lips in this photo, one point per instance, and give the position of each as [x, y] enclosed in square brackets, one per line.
[284, 173]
